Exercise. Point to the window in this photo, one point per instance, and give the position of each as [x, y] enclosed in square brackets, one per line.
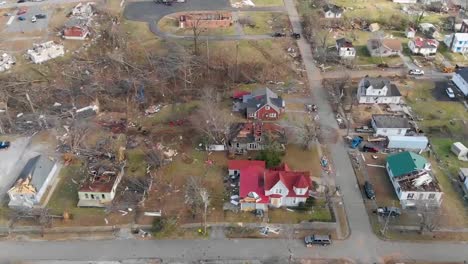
[267, 107]
[278, 190]
[103, 196]
[237, 145]
[431, 196]
[398, 190]
[272, 114]
[86, 196]
[410, 196]
[92, 196]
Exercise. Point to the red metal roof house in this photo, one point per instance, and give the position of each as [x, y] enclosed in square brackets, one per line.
[276, 187]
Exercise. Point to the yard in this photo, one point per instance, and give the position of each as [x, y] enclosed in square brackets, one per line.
[263, 2]
[170, 24]
[264, 22]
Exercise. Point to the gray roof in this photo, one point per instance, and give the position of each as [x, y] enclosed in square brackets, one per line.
[463, 72]
[260, 97]
[39, 168]
[378, 83]
[343, 42]
[76, 22]
[333, 8]
[390, 121]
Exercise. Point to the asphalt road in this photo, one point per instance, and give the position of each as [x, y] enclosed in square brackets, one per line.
[150, 12]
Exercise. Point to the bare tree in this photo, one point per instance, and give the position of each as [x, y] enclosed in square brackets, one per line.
[305, 132]
[197, 197]
[197, 29]
[210, 119]
[76, 136]
[430, 217]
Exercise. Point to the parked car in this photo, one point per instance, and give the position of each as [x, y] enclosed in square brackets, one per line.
[356, 142]
[7, 14]
[33, 19]
[369, 190]
[388, 211]
[41, 16]
[21, 18]
[22, 11]
[323, 240]
[416, 72]
[370, 149]
[4, 144]
[21, 1]
[296, 35]
[450, 93]
[278, 34]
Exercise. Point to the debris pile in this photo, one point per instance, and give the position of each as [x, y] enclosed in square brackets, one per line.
[78, 26]
[46, 51]
[243, 3]
[6, 62]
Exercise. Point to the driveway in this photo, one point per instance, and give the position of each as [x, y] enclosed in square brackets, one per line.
[150, 12]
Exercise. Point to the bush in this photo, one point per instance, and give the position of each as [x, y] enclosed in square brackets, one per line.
[158, 225]
[271, 157]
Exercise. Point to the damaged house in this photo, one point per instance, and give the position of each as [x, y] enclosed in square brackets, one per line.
[83, 10]
[6, 62]
[253, 136]
[46, 51]
[378, 91]
[411, 178]
[33, 182]
[100, 187]
[261, 188]
[262, 104]
[76, 29]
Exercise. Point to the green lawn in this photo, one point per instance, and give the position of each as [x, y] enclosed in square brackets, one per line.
[263, 2]
[170, 24]
[319, 212]
[265, 22]
[456, 58]
[136, 163]
[363, 58]
[65, 196]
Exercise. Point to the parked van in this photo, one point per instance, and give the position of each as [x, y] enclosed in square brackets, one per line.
[323, 240]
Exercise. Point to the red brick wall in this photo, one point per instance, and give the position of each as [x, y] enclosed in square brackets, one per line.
[264, 114]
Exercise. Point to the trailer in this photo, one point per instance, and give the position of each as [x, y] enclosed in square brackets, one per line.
[407, 142]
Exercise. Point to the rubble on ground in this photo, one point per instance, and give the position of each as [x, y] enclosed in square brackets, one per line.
[45, 51]
[6, 62]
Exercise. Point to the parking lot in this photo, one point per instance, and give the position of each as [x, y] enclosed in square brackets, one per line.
[8, 163]
[27, 25]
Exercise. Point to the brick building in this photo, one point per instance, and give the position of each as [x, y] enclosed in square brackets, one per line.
[206, 20]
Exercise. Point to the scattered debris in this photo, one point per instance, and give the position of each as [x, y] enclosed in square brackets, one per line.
[153, 109]
[6, 62]
[46, 51]
[243, 3]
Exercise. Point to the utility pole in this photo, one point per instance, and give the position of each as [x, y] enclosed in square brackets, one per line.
[208, 56]
[237, 62]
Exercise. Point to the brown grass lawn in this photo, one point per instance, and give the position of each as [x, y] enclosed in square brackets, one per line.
[306, 160]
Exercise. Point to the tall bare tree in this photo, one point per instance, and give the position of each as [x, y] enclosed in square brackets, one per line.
[210, 119]
[197, 197]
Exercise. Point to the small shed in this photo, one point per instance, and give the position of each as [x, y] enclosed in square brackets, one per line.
[463, 173]
[407, 142]
[460, 150]
[410, 32]
[374, 27]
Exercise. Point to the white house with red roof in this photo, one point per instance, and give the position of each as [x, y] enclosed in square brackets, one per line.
[422, 46]
[261, 188]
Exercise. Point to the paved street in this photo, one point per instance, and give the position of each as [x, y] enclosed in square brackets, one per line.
[362, 245]
[148, 11]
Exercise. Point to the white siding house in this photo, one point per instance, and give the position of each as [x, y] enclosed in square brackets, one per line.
[460, 78]
[425, 47]
[332, 11]
[345, 48]
[412, 181]
[390, 125]
[457, 42]
[378, 91]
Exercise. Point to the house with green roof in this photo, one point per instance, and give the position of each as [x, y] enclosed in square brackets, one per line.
[412, 180]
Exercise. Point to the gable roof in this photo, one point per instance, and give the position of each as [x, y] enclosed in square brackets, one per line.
[344, 43]
[463, 72]
[393, 44]
[249, 132]
[290, 179]
[405, 162]
[425, 43]
[390, 121]
[242, 164]
[333, 8]
[261, 97]
[39, 168]
[251, 180]
[376, 82]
